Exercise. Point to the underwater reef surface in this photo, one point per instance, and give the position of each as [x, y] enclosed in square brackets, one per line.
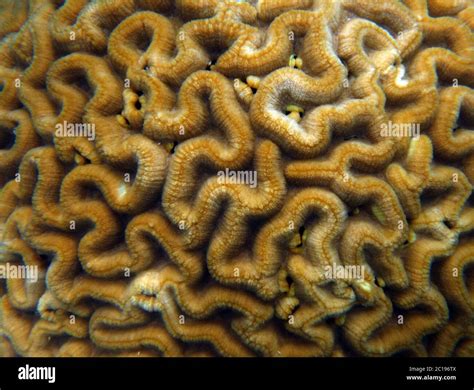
[236, 178]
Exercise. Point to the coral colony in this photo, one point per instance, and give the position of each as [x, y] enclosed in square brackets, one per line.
[237, 178]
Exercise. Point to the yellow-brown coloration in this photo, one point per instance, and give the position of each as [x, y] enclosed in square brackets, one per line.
[136, 236]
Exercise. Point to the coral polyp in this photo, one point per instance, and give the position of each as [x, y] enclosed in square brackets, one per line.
[236, 178]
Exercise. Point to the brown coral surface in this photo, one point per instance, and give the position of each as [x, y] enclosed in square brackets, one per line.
[237, 178]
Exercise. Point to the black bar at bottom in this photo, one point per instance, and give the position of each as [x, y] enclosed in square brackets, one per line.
[121, 373]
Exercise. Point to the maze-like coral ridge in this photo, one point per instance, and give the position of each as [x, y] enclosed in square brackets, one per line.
[143, 250]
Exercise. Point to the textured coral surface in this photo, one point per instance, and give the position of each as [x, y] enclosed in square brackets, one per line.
[143, 250]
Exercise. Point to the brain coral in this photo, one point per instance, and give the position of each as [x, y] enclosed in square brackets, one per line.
[237, 178]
